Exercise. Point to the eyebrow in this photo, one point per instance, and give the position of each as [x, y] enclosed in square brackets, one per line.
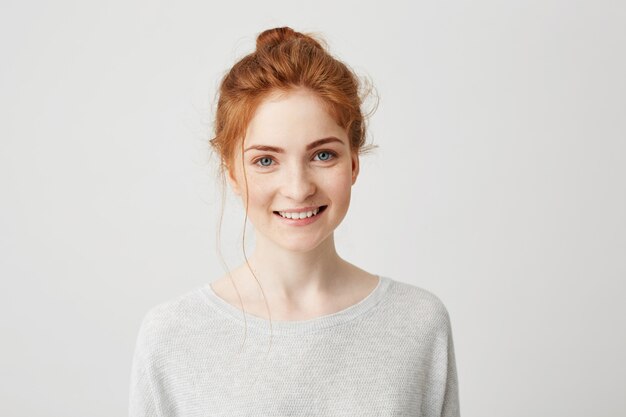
[281, 150]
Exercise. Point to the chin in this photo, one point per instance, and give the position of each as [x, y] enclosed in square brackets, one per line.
[300, 245]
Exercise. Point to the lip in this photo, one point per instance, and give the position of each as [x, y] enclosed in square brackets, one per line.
[306, 220]
[300, 210]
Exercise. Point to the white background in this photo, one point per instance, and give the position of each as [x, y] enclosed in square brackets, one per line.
[499, 185]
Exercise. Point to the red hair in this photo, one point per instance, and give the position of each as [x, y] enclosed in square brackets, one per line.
[285, 59]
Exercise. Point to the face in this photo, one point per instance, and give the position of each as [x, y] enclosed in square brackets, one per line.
[296, 157]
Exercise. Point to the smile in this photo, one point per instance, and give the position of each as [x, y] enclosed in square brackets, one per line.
[301, 219]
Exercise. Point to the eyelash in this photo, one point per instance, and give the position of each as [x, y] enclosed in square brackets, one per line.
[331, 153]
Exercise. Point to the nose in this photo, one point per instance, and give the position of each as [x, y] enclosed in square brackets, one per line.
[298, 184]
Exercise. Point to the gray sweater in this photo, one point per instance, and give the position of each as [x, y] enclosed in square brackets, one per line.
[391, 354]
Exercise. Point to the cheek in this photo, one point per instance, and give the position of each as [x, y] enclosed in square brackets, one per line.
[259, 192]
[339, 186]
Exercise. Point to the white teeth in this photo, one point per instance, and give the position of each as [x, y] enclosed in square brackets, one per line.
[302, 215]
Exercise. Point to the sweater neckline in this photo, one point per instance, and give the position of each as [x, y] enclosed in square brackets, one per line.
[297, 326]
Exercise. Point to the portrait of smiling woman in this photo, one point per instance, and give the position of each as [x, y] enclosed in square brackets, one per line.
[295, 330]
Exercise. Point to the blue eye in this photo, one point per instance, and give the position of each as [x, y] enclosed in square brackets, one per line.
[266, 161]
[264, 158]
[330, 155]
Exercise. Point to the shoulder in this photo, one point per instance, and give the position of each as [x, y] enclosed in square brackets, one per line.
[163, 322]
[173, 308]
[419, 308]
[417, 299]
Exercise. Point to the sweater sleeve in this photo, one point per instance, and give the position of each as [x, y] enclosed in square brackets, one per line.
[450, 403]
[142, 398]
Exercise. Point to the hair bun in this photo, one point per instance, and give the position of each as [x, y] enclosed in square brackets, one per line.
[272, 37]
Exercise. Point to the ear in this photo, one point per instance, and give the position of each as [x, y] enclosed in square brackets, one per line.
[355, 166]
[233, 181]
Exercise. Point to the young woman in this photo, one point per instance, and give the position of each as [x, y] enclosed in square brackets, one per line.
[295, 330]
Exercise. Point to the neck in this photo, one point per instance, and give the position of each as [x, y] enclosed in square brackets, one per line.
[292, 276]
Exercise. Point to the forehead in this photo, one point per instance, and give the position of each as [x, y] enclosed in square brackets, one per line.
[292, 117]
